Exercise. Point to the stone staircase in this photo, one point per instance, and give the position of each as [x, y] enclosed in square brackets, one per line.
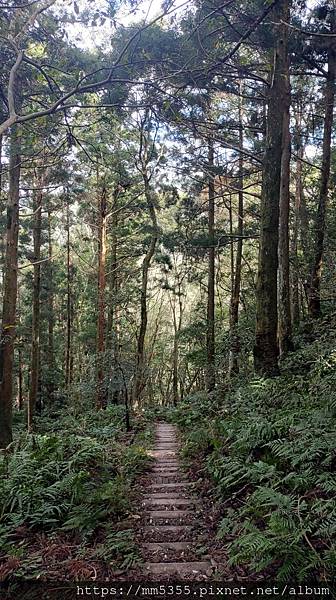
[170, 520]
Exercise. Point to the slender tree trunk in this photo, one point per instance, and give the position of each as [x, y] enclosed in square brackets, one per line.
[68, 350]
[139, 382]
[101, 322]
[266, 347]
[177, 323]
[210, 372]
[112, 327]
[35, 350]
[10, 290]
[314, 296]
[2, 208]
[20, 380]
[51, 357]
[285, 321]
[19, 353]
[297, 209]
[235, 297]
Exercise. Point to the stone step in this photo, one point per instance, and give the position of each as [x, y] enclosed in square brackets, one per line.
[163, 546]
[160, 481]
[158, 465]
[163, 474]
[163, 462]
[178, 529]
[165, 494]
[168, 470]
[180, 569]
[167, 502]
[168, 514]
[165, 443]
[167, 455]
[170, 486]
[164, 454]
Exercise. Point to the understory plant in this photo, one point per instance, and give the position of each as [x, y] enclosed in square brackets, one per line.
[269, 446]
[75, 480]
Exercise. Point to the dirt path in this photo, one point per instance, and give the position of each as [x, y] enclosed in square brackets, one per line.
[170, 521]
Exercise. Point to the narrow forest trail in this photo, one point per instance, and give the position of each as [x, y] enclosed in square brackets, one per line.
[170, 522]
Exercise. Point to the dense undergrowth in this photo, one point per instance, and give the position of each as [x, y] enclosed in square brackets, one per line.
[270, 447]
[64, 493]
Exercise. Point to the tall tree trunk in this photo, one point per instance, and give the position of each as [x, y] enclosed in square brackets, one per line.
[285, 320]
[20, 379]
[113, 327]
[68, 349]
[2, 208]
[314, 296]
[51, 356]
[266, 347]
[19, 352]
[35, 349]
[177, 323]
[210, 371]
[235, 297]
[10, 290]
[139, 382]
[101, 322]
[295, 237]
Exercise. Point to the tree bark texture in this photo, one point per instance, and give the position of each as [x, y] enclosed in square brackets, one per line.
[68, 349]
[139, 379]
[113, 325]
[284, 308]
[314, 296]
[35, 349]
[295, 310]
[266, 346]
[235, 296]
[51, 317]
[10, 291]
[101, 395]
[210, 371]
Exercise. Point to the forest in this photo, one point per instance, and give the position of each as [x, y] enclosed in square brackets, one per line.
[167, 283]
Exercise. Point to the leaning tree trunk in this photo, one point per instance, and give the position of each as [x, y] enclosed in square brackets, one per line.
[235, 296]
[210, 370]
[314, 296]
[10, 291]
[101, 322]
[35, 349]
[285, 320]
[266, 346]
